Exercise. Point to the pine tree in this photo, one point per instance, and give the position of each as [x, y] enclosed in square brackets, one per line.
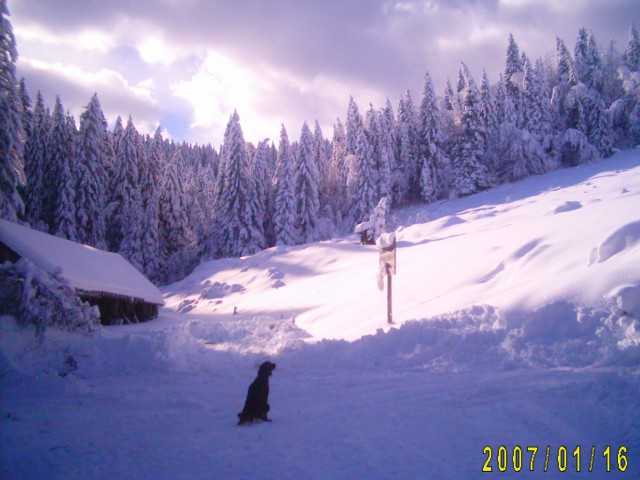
[37, 197]
[565, 80]
[127, 209]
[386, 161]
[373, 137]
[338, 172]
[27, 112]
[94, 157]
[363, 190]
[12, 174]
[177, 245]
[284, 217]
[150, 242]
[580, 55]
[407, 186]
[470, 174]
[262, 197]
[321, 157]
[60, 175]
[431, 157]
[532, 100]
[594, 73]
[632, 53]
[308, 205]
[488, 113]
[354, 126]
[513, 71]
[236, 231]
[450, 98]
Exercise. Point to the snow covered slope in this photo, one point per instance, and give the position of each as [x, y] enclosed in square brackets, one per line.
[569, 236]
[517, 315]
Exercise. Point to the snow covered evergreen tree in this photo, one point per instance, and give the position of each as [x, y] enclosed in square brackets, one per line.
[94, 157]
[565, 80]
[488, 113]
[236, 232]
[27, 110]
[262, 197]
[386, 158]
[373, 136]
[177, 243]
[513, 72]
[354, 126]
[37, 197]
[407, 185]
[150, 183]
[48, 301]
[321, 157]
[363, 190]
[284, 217]
[632, 52]
[308, 204]
[338, 173]
[60, 176]
[580, 55]
[470, 174]
[449, 99]
[126, 208]
[431, 157]
[12, 174]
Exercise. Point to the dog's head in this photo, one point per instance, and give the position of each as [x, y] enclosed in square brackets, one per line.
[266, 368]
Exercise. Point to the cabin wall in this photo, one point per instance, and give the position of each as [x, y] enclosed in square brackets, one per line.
[7, 255]
[114, 309]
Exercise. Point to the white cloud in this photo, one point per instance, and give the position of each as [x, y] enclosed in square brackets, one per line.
[100, 80]
[155, 51]
[84, 40]
[219, 86]
[554, 5]
[76, 85]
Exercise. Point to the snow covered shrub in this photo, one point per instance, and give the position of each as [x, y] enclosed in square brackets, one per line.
[36, 298]
[576, 149]
[519, 154]
[370, 230]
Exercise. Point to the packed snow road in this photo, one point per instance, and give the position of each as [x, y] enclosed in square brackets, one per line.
[164, 406]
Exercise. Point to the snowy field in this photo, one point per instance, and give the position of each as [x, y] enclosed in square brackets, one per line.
[517, 317]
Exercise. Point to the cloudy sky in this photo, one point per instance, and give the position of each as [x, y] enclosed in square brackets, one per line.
[187, 64]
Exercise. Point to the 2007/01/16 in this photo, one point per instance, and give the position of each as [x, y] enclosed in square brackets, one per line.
[561, 455]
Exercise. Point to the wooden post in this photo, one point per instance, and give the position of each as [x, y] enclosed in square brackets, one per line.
[389, 295]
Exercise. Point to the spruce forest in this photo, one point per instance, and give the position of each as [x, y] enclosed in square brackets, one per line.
[165, 206]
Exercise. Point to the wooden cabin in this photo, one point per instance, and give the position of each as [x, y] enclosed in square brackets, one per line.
[101, 278]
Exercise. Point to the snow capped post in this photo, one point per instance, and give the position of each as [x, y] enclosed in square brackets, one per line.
[387, 245]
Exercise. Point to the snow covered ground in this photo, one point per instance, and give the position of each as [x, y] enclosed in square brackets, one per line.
[517, 324]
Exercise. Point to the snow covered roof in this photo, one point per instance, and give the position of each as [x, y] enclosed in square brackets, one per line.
[84, 267]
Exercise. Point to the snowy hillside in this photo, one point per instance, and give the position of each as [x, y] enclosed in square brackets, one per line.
[517, 324]
[569, 236]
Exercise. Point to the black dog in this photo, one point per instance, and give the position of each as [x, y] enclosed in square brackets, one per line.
[256, 406]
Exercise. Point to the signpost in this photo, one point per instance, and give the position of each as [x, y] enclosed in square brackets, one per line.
[387, 245]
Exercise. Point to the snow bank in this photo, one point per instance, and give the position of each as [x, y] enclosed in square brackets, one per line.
[477, 339]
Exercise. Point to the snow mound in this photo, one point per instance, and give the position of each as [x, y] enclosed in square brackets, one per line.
[219, 290]
[482, 338]
[624, 238]
[625, 300]
[568, 207]
[453, 220]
